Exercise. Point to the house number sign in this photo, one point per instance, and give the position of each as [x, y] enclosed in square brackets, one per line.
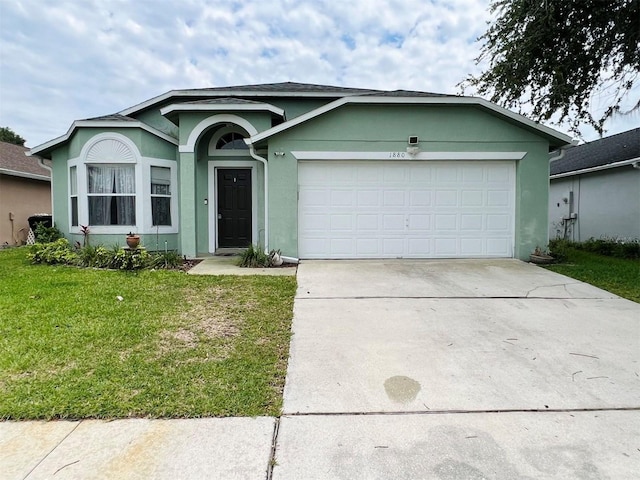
[398, 154]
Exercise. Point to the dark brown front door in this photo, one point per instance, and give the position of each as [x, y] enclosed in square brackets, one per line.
[234, 207]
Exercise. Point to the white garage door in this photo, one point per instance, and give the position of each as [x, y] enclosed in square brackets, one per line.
[369, 209]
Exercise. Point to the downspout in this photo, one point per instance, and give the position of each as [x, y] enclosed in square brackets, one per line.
[253, 154]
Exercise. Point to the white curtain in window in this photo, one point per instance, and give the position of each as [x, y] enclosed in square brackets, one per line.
[125, 182]
[100, 181]
[106, 180]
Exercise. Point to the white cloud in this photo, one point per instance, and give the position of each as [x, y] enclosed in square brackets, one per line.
[78, 59]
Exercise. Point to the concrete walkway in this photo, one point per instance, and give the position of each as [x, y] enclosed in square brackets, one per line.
[227, 265]
[404, 370]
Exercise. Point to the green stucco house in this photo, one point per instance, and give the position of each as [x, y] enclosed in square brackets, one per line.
[315, 171]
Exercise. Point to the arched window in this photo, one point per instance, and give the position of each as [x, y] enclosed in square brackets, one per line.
[231, 141]
[228, 140]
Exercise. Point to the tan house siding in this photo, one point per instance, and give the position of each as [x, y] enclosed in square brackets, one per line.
[21, 197]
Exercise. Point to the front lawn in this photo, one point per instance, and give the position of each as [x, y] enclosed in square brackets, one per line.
[616, 275]
[85, 343]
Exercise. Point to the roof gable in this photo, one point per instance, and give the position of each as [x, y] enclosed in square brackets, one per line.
[400, 97]
[605, 151]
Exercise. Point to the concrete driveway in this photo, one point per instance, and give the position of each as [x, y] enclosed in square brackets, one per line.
[458, 369]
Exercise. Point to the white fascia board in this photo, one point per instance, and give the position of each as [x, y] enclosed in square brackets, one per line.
[608, 166]
[32, 176]
[99, 124]
[256, 107]
[445, 100]
[227, 93]
[404, 156]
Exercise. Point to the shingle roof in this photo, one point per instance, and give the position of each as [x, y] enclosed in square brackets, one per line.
[13, 160]
[223, 101]
[407, 93]
[616, 148]
[292, 87]
[111, 118]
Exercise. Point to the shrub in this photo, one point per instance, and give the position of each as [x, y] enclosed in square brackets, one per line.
[254, 257]
[559, 249]
[611, 247]
[169, 259]
[57, 252]
[46, 234]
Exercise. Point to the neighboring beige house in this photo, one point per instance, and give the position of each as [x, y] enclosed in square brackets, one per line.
[25, 190]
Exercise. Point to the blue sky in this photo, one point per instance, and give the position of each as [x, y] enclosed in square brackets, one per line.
[65, 60]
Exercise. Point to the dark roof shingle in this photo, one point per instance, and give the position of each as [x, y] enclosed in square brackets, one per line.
[13, 158]
[616, 148]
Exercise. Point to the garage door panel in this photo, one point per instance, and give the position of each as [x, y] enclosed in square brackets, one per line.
[393, 246]
[367, 222]
[419, 247]
[419, 222]
[372, 209]
[497, 198]
[393, 223]
[314, 197]
[498, 222]
[472, 246]
[498, 246]
[419, 198]
[446, 198]
[368, 198]
[447, 246]
[446, 222]
[471, 198]
[472, 222]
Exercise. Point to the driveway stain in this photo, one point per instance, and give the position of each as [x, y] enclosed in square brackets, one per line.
[401, 389]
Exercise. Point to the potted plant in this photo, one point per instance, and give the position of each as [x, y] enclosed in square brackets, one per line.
[133, 240]
[540, 257]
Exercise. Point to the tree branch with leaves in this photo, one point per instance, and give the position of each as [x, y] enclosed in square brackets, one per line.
[559, 55]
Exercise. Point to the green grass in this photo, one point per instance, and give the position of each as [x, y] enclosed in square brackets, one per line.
[616, 275]
[175, 346]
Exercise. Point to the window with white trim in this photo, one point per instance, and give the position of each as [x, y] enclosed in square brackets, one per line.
[160, 196]
[73, 194]
[115, 190]
[111, 194]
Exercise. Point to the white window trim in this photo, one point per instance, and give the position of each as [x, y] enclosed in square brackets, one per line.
[212, 214]
[215, 152]
[144, 221]
[147, 223]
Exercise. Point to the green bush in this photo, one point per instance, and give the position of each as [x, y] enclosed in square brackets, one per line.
[46, 234]
[57, 252]
[61, 252]
[169, 259]
[611, 247]
[254, 257]
[558, 249]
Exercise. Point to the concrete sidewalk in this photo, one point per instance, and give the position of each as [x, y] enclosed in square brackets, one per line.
[207, 448]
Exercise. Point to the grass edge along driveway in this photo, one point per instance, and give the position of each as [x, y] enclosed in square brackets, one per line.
[83, 343]
[616, 275]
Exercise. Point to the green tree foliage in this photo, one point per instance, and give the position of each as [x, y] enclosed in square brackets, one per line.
[9, 136]
[559, 55]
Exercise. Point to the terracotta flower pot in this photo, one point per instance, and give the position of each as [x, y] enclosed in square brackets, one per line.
[133, 241]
